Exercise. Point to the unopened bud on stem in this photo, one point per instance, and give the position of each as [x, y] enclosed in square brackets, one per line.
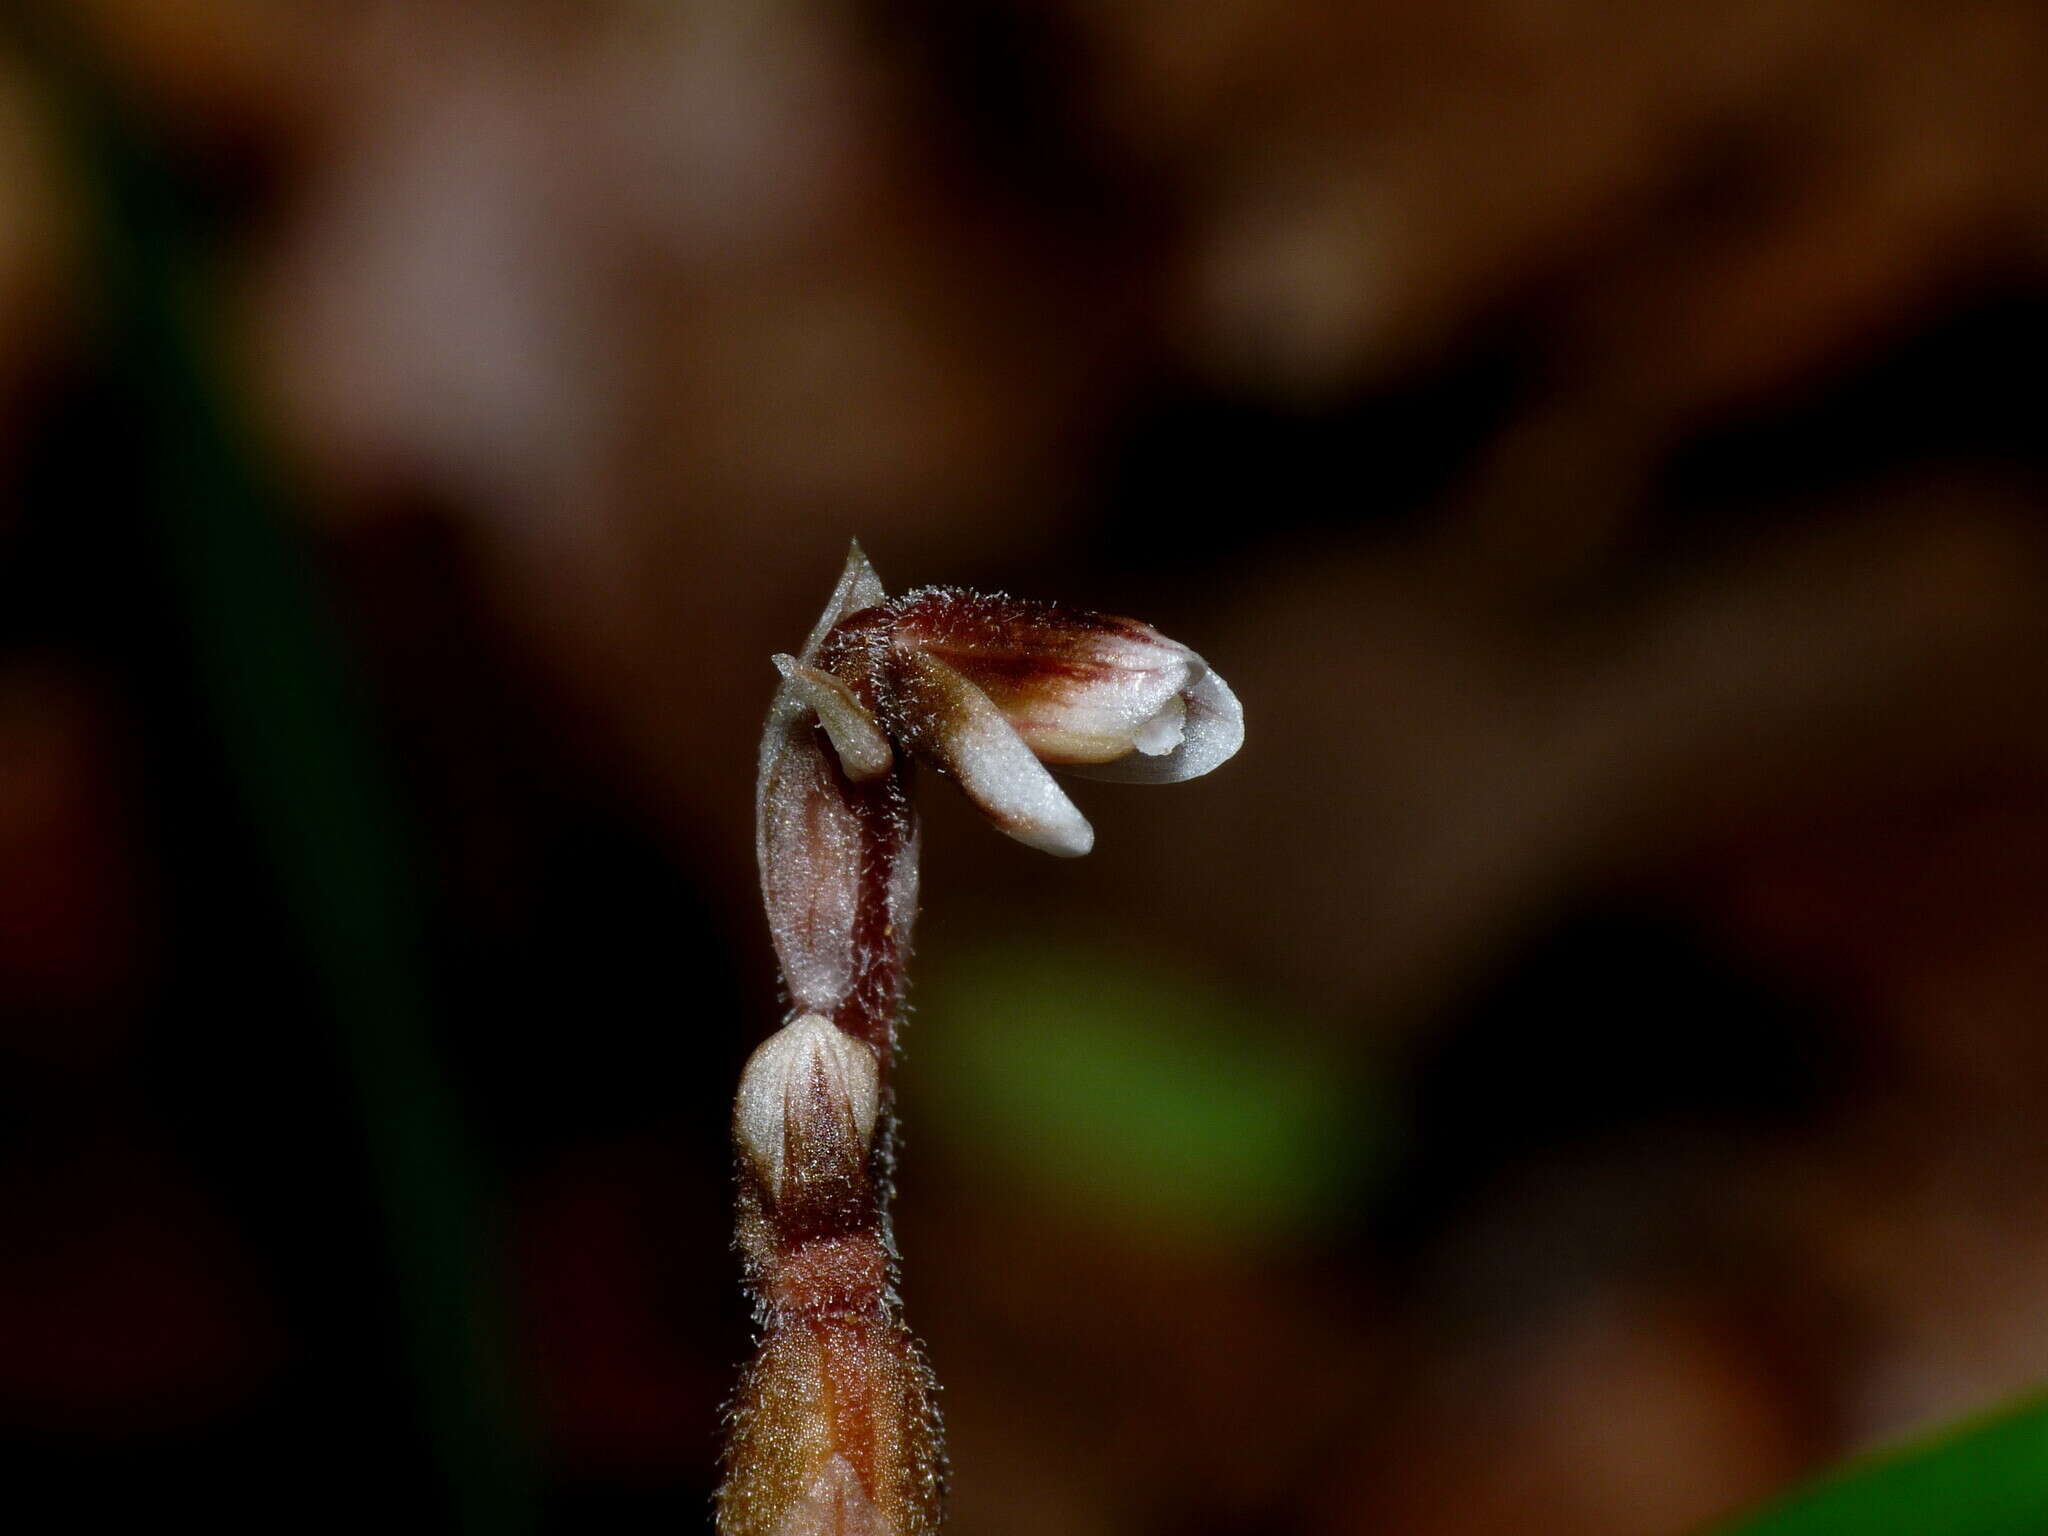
[805, 1114]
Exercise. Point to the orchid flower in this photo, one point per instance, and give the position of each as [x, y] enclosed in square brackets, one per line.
[990, 689]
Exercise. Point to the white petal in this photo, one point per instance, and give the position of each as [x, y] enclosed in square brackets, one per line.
[971, 741]
[863, 749]
[1213, 733]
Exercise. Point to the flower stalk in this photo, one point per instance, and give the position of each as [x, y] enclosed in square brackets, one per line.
[835, 1429]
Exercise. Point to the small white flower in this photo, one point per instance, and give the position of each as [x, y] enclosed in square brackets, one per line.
[991, 688]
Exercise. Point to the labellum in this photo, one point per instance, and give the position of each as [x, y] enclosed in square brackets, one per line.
[834, 1430]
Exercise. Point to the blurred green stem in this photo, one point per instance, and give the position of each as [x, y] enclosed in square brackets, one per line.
[273, 668]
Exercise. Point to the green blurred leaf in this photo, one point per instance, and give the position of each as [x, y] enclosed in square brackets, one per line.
[1139, 1091]
[1984, 1477]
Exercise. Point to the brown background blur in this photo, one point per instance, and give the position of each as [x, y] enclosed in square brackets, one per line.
[1579, 1069]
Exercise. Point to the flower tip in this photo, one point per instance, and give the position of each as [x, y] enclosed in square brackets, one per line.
[858, 587]
[1210, 731]
[1215, 725]
[1062, 836]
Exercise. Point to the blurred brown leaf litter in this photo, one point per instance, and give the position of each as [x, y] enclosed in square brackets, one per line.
[1600, 445]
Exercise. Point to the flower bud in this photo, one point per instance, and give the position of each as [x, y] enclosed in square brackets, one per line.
[805, 1115]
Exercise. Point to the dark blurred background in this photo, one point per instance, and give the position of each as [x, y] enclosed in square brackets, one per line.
[1580, 1068]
